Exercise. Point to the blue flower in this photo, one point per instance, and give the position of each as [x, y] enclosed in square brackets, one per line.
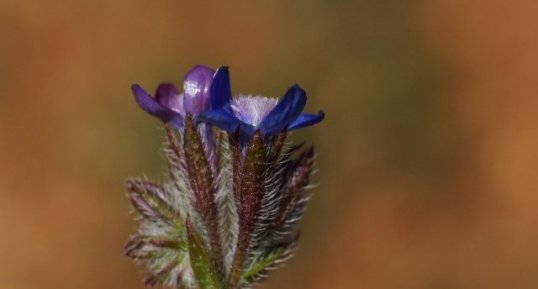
[228, 211]
[248, 114]
[169, 105]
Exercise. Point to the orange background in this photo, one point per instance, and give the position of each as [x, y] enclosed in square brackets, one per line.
[428, 157]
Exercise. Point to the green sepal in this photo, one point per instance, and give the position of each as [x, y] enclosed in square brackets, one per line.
[149, 200]
[200, 261]
[260, 265]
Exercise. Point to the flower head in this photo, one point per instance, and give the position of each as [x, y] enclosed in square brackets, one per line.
[249, 114]
[229, 210]
[169, 105]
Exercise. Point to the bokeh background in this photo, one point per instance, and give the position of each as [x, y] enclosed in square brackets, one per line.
[428, 157]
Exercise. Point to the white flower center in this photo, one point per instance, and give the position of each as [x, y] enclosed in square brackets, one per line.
[191, 87]
[252, 109]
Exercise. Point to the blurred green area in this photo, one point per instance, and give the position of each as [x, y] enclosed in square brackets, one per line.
[428, 156]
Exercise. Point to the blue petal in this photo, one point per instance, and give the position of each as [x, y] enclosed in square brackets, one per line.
[246, 129]
[151, 106]
[287, 110]
[221, 92]
[222, 118]
[306, 119]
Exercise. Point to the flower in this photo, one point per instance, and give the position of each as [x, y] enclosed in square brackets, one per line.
[229, 209]
[248, 114]
[169, 105]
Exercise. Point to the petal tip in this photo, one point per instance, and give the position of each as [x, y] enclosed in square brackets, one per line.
[136, 88]
[220, 91]
[199, 69]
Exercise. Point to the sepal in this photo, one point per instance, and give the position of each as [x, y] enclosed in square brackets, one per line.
[259, 267]
[298, 180]
[248, 198]
[201, 182]
[201, 264]
[149, 201]
[144, 247]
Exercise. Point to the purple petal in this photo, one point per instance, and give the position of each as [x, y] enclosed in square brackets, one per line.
[196, 86]
[221, 92]
[168, 96]
[306, 119]
[287, 110]
[151, 106]
[222, 118]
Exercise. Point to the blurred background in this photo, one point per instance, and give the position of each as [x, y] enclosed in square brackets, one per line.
[428, 157]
